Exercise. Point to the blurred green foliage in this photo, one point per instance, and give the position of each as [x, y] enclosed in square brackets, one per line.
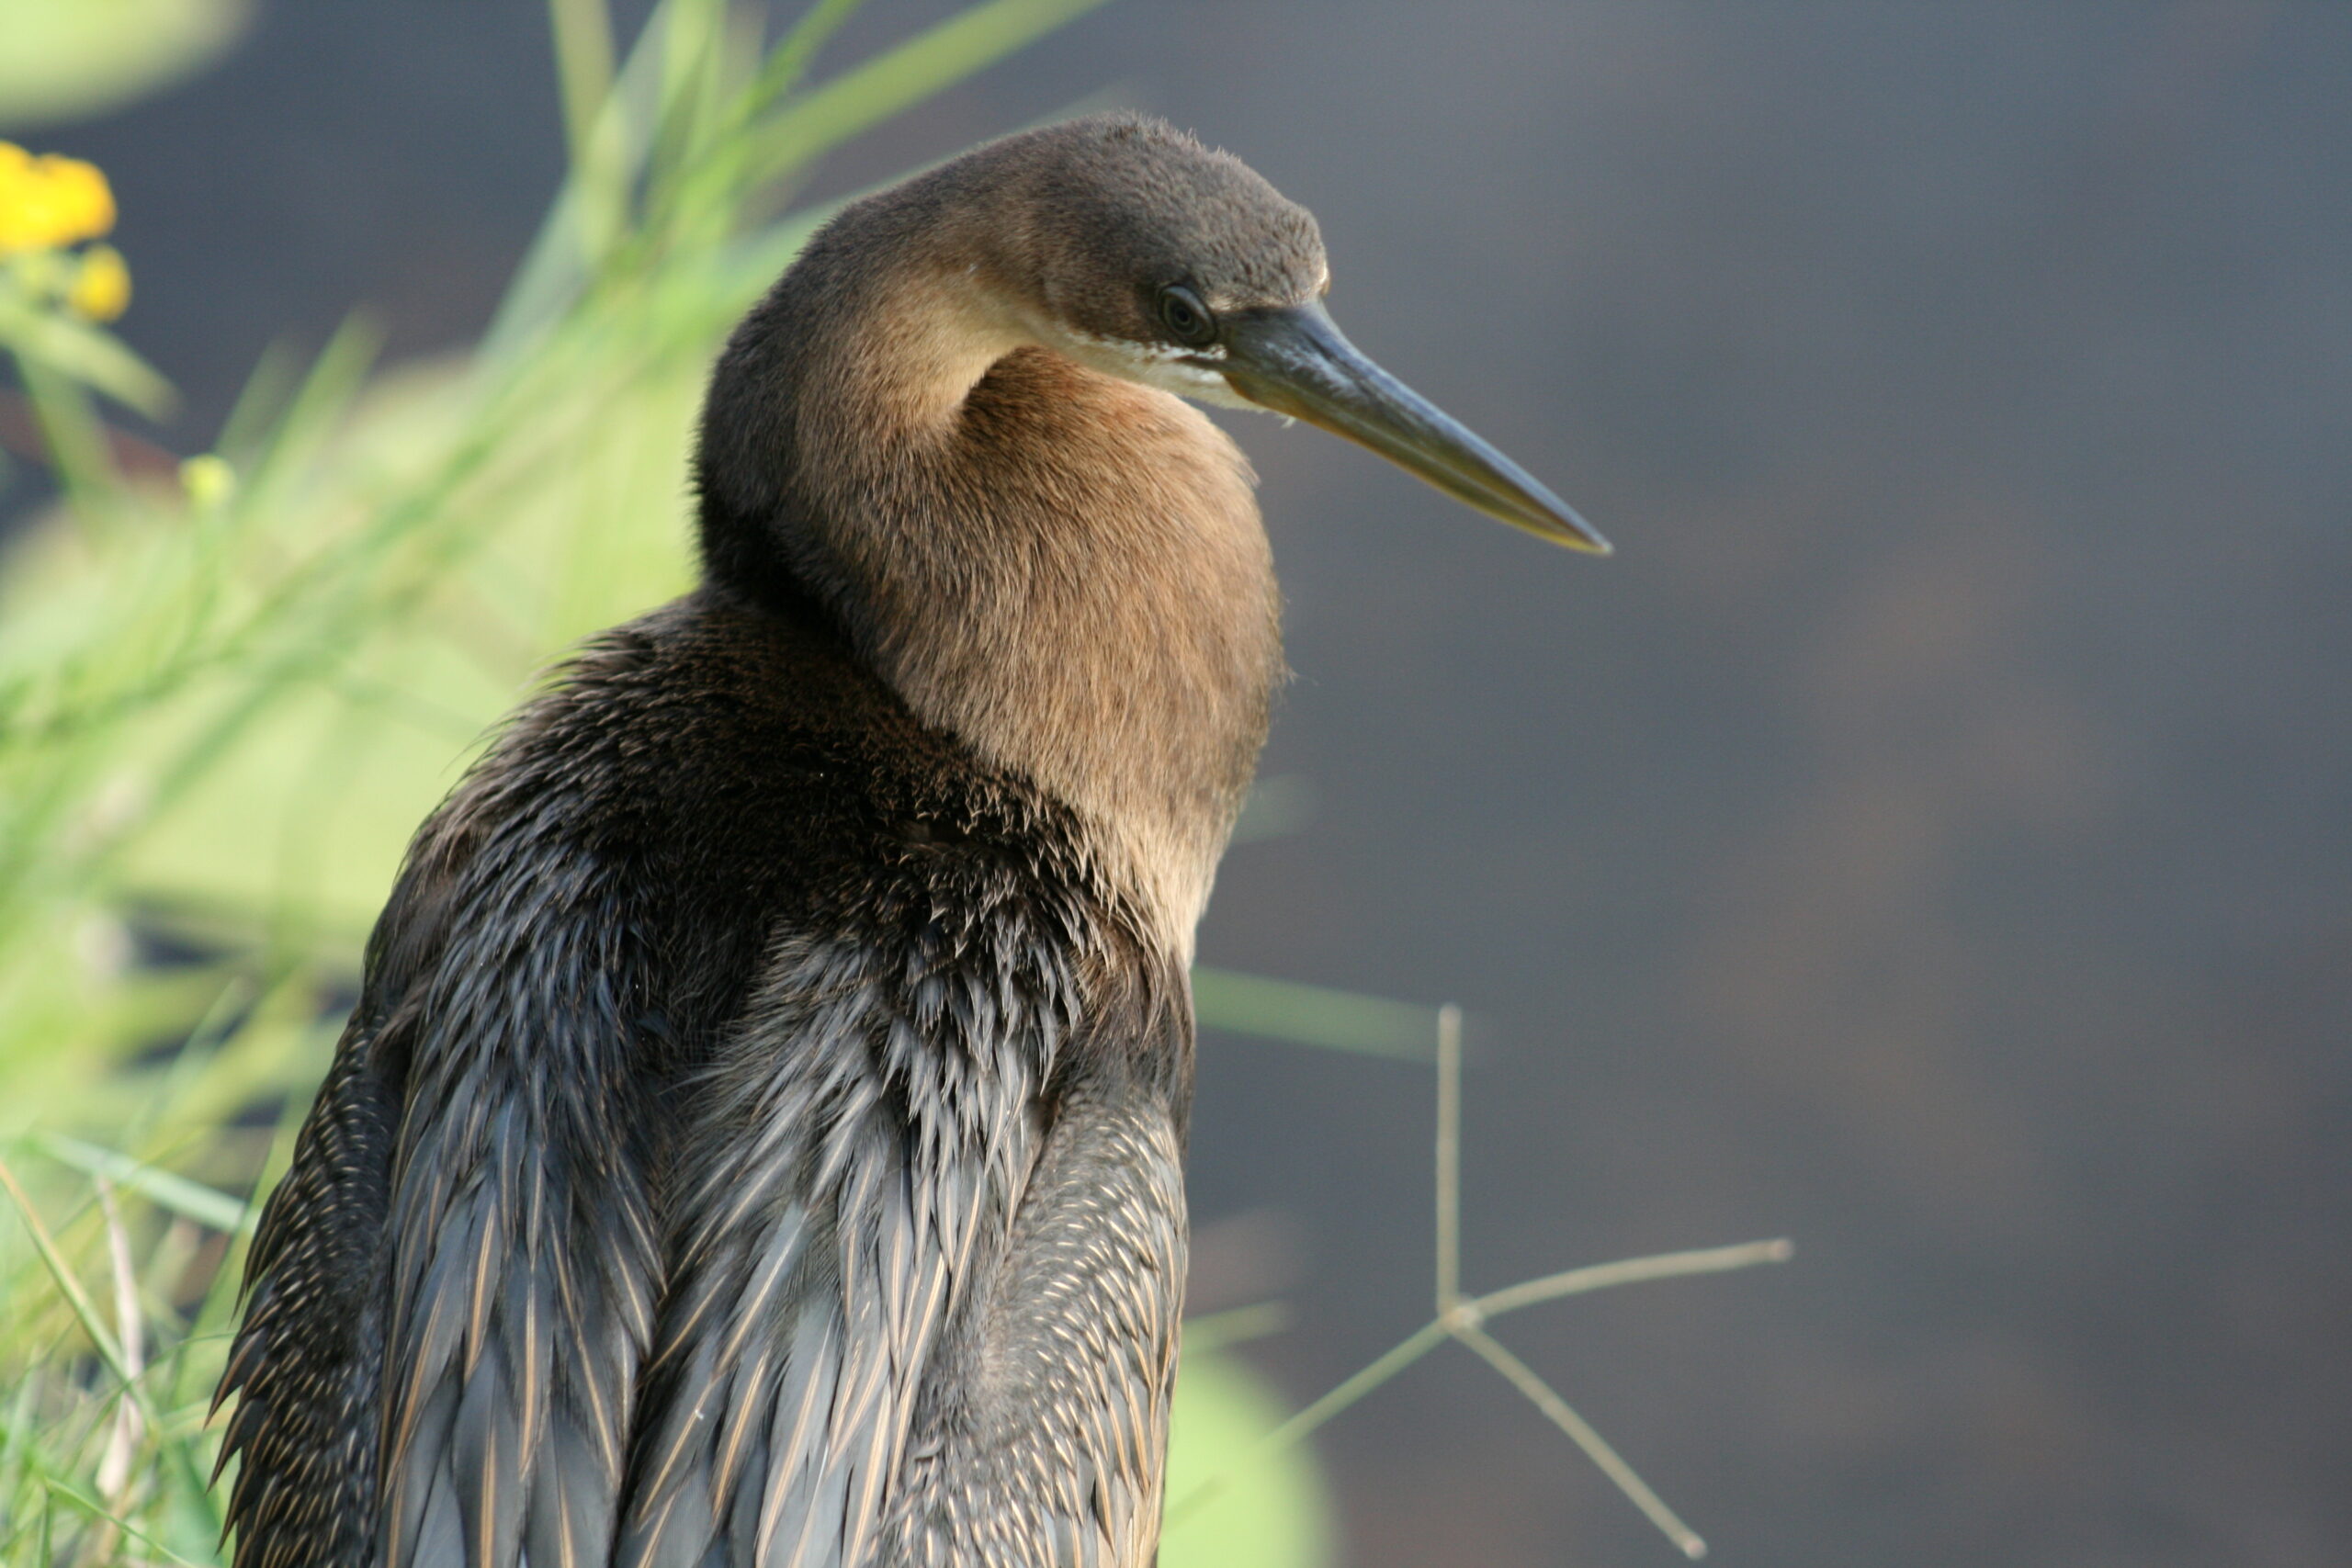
[68, 59]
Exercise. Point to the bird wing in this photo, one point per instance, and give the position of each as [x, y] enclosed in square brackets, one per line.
[305, 1362]
[1052, 1458]
[522, 1256]
[452, 1289]
[860, 1144]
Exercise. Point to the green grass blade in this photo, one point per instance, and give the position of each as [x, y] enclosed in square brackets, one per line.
[1313, 1015]
[100, 1512]
[61, 1273]
[557, 265]
[788, 62]
[583, 60]
[173, 1193]
[88, 354]
[893, 81]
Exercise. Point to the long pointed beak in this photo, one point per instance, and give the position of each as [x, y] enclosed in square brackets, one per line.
[1295, 361]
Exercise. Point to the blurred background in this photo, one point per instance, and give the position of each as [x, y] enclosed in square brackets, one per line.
[1929, 837]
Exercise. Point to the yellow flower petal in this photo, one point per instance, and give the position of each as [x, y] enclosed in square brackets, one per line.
[101, 290]
[49, 200]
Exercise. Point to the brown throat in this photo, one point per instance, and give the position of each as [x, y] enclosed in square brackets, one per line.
[1065, 569]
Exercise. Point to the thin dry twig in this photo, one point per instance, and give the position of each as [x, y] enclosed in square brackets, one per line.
[1449, 1158]
[114, 1473]
[1463, 1319]
[1596, 1447]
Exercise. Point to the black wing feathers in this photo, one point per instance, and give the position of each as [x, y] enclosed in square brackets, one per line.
[305, 1364]
[847, 1160]
[522, 1256]
[717, 1174]
[453, 1287]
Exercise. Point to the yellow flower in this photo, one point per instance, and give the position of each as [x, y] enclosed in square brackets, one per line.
[48, 201]
[209, 481]
[101, 290]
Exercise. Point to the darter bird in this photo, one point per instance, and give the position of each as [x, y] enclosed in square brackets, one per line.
[758, 1140]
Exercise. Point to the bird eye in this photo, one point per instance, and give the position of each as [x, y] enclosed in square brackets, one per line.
[1182, 313]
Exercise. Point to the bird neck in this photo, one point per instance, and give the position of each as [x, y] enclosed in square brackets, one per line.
[1065, 570]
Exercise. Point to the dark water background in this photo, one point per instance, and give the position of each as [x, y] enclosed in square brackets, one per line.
[1930, 837]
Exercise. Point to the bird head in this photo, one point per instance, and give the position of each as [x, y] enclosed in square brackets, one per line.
[1128, 246]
